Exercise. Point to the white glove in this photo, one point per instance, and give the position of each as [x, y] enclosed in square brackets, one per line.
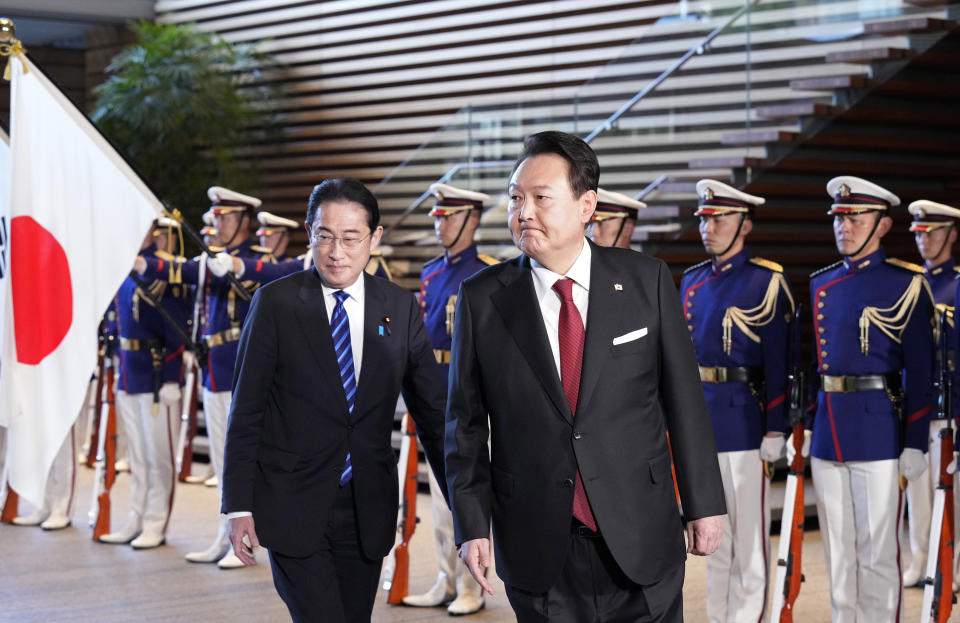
[913, 463]
[220, 264]
[170, 394]
[140, 265]
[772, 449]
[952, 465]
[187, 359]
[804, 449]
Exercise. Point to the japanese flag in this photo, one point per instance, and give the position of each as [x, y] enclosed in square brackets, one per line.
[77, 216]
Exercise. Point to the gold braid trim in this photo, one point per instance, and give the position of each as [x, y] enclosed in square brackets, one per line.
[758, 316]
[892, 320]
[11, 49]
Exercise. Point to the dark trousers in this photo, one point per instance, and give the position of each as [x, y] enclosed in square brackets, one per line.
[592, 589]
[337, 584]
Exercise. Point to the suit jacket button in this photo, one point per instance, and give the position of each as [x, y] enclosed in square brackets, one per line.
[350, 427]
[577, 435]
[566, 484]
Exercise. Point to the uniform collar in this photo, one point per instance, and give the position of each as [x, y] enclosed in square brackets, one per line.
[734, 262]
[864, 263]
[243, 247]
[944, 268]
[467, 254]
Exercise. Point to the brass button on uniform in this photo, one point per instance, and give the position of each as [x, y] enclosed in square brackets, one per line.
[823, 353]
[820, 316]
[823, 341]
[823, 293]
[821, 305]
[690, 328]
[826, 367]
[689, 316]
[820, 330]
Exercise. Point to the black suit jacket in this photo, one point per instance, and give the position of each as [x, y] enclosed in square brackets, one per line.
[289, 428]
[631, 394]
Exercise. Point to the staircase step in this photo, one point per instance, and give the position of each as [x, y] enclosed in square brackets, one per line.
[679, 187]
[796, 109]
[868, 55]
[733, 162]
[759, 137]
[656, 212]
[926, 3]
[829, 83]
[907, 25]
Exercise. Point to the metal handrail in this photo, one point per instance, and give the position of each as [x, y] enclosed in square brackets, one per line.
[480, 164]
[652, 186]
[699, 48]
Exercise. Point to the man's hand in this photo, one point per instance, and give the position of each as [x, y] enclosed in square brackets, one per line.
[704, 534]
[773, 447]
[476, 555]
[170, 394]
[244, 539]
[140, 265]
[913, 463]
[804, 448]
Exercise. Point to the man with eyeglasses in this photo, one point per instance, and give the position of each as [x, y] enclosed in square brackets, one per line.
[310, 473]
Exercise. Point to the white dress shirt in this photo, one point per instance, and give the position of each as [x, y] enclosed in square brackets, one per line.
[549, 300]
[354, 308]
[353, 305]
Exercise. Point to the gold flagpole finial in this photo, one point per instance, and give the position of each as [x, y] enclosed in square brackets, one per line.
[10, 46]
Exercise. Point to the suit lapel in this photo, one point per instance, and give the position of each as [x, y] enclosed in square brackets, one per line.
[312, 316]
[605, 307]
[375, 310]
[517, 304]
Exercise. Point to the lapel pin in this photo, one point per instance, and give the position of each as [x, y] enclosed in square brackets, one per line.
[384, 329]
[618, 287]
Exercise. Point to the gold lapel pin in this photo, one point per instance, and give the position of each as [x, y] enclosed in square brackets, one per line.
[618, 287]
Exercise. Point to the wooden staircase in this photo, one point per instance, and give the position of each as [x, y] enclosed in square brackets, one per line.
[817, 108]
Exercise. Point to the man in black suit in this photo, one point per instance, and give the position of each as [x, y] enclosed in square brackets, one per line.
[581, 360]
[323, 356]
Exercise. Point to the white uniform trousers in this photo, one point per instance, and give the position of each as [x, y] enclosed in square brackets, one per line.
[150, 450]
[451, 567]
[859, 506]
[216, 410]
[61, 483]
[920, 500]
[737, 571]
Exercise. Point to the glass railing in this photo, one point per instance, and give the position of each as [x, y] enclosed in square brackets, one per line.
[699, 93]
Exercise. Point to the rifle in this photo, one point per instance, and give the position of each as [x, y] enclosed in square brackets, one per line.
[106, 453]
[10, 506]
[399, 583]
[938, 598]
[98, 402]
[188, 422]
[786, 587]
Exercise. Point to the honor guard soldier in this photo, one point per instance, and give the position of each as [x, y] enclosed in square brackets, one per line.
[873, 330]
[738, 310]
[934, 228]
[209, 232]
[614, 219]
[148, 397]
[274, 233]
[456, 216]
[224, 313]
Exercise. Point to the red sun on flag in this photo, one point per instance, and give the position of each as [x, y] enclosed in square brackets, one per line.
[41, 289]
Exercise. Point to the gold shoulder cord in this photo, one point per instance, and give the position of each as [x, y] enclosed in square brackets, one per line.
[758, 316]
[892, 320]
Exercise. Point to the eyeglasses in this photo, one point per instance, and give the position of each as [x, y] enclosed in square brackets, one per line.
[349, 242]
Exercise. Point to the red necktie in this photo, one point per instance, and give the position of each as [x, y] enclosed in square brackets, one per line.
[570, 332]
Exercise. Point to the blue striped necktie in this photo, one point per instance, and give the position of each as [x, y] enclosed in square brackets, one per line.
[340, 329]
